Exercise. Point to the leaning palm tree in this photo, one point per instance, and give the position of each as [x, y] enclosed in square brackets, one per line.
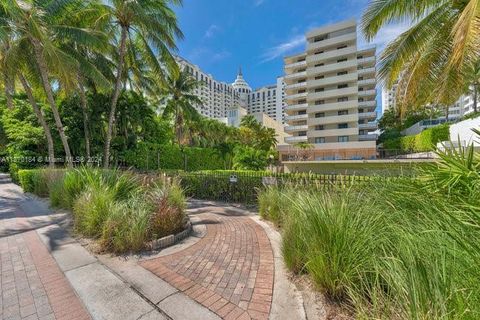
[180, 101]
[153, 26]
[39, 26]
[473, 83]
[429, 59]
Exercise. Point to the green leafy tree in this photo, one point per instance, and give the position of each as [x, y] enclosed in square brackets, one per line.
[248, 158]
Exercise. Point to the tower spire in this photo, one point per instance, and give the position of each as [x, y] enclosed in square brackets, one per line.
[240, 71]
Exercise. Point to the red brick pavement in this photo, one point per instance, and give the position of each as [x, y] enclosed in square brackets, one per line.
[230, 270]
[32, 285]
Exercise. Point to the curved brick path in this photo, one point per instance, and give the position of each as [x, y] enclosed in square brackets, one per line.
[230, 270]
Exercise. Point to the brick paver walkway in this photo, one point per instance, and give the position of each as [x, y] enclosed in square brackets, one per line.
[230, 270]
[32, 285]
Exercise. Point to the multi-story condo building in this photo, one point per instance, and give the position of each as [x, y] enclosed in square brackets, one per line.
[216, 96]
[269, 100]
[388, 98]
[331, 95]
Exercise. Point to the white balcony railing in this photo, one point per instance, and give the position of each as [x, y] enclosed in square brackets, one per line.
[365, 93]
[296, 96]
[296, 75]
[364, 104]
[367, 137]
[296, 139]
[296, 64]
[296, 128]
[297, 117]
[366, 71]
[366, 60]
[297, 85]
[367, 115]
[369, 126]
[367, 82]
[294, 107]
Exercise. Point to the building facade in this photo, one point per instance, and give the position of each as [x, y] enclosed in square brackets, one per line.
[269, 100]
[331, 95]
[216, 96]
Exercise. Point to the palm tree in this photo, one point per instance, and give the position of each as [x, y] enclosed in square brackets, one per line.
[38, 27]
[152, 25]
[180, 101]
[429, 59]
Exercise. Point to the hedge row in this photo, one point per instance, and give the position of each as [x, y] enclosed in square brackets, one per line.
[150, 156]
[424, 141]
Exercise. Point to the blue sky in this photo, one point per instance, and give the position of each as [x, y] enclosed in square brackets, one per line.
[221, 35]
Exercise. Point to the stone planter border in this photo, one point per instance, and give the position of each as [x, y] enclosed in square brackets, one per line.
[171, 239]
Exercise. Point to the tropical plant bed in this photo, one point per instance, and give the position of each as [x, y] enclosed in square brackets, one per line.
[121, 211]
[393, 249]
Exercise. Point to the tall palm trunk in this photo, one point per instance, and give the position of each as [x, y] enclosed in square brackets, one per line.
[116, 94]
[9, 90]
[43, 69]
[41, 119]
[475, 96]
[83, 102]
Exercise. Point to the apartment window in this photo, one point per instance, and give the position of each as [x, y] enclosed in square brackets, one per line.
[302, 101]
[319, 52]
[319, 102]
[319, 77]
[341, 86]
[342, 47]
[343, 139]
[360, 89]
[342, 125]
[317, 39]
[360, 78]
[320, 65]
[320, 140]
[301, 59]
[302, 133]
[341, 73]
[319, 127]
[301, 91]
[360, 57]
[342, 112]
[319, 89]
[319, 114]
[302, 112]
[342, 60]
[360, 99]
[342, 99]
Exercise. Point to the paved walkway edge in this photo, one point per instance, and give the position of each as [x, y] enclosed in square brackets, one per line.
[287, 300]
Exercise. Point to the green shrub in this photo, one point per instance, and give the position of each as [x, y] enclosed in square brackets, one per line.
[127, 225]
[422, 142]
[38, 181]
[274, 205]
[25, 178]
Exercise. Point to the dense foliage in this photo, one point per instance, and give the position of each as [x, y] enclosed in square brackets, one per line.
[400, 249]
[115, 208]
[424, 141]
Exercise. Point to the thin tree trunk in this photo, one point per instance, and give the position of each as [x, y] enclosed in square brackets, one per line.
[446, 113]
[41, 119]
[8, 91]
[42, 66]
[83, 102]
[116, 94]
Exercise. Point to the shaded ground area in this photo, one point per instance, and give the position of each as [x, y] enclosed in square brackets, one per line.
[230, 270]
[32, 284]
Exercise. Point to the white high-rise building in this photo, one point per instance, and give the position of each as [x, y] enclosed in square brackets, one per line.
[331, 95]
[217, 96]
[388, 98]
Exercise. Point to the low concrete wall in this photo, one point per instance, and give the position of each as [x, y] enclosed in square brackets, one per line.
[463, 131]
[357, 167]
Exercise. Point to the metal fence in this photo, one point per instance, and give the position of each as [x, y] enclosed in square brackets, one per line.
[243, 187]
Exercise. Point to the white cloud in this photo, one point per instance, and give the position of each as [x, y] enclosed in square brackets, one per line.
[257, 3]
[220, 55]
[283, 48]
[211, 31]
[208, 55]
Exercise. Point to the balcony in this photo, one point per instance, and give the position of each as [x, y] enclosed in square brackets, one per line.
[297, 117]
[368, 126]
[296, 75]
[334, 93]
[365, 71]
[296, 128]
[367, 60]
[367, 137]
[371, 81]
[331, 54]
[296, 139]
[333, 132]
[296, 96]
[296, 64]
[333, 119]
[299, 85]
[296, 107]
[367, 115]
[366, 93]
[365, 104]
[332, 80]
[350, 37]
[352, 104]
[345, 65]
